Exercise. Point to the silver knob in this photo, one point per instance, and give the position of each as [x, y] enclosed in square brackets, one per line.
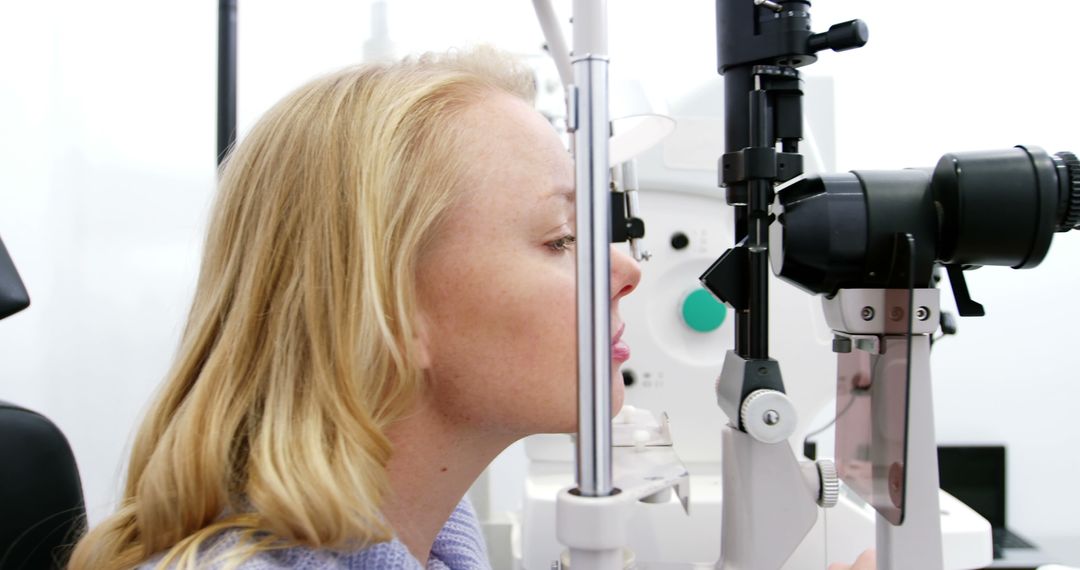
[768, 416]
[830, 484]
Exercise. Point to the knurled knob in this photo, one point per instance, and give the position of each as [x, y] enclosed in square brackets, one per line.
[1071, 218]
[830, 483]
[768, 416]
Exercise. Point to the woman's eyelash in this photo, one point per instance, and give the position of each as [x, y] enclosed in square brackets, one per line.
[562, 244]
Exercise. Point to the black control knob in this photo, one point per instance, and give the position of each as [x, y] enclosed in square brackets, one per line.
[1069, 188]
[840, 37]
[679, 240]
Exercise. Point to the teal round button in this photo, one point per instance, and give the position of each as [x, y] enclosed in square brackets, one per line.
[702, 312]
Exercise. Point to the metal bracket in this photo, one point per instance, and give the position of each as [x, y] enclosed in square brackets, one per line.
[624, 226]
[844, 343]
[726, 278]
[571, 108]
[748, 164]
[964, 303]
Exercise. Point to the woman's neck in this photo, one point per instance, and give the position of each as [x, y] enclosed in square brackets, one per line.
[435, 460]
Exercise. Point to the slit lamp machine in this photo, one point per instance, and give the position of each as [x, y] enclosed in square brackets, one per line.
[865, 246]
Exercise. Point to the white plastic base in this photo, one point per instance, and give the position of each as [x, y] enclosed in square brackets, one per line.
[662, 536]
[769, 509]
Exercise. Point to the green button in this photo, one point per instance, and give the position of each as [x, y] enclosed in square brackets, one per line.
[702, 312]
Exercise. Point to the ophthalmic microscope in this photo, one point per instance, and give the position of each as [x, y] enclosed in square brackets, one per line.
[867, 242]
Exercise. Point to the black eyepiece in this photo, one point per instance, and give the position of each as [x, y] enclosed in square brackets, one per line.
[1068, 167]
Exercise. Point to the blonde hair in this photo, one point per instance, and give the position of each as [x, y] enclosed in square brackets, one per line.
[299, 349]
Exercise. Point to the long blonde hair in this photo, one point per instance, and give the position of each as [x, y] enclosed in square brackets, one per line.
[300, 345]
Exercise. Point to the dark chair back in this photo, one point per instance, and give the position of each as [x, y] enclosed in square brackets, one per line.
[42, 514]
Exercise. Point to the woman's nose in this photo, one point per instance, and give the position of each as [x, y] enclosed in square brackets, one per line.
[625, 273]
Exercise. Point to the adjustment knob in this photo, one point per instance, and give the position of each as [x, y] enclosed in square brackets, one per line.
[830, 484]
[1070, 213]
[840, 37]
[768, 416]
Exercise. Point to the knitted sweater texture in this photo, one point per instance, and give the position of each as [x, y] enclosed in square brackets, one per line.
[458, 546]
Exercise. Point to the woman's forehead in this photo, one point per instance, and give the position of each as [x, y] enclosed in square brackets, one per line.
[517, 178]
[514, 148]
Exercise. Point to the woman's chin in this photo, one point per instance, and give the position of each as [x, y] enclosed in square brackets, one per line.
[618, 391]
[618, 397]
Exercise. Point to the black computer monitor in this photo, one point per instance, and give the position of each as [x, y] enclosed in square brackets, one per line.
[975, 474]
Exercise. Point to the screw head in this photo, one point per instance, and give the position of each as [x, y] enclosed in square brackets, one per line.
[922, 313]
[896, 313]
[867, 313]
[771, 418]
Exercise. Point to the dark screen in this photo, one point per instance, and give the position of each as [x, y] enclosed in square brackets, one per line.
[976, 476]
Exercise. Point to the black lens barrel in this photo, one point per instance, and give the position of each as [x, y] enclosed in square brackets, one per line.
[1068, 170]
[998, 207]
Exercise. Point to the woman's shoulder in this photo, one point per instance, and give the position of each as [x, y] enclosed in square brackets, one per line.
[459, 545]
[223, 552]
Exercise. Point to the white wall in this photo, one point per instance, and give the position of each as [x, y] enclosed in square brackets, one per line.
[106, 167]
[106, 171]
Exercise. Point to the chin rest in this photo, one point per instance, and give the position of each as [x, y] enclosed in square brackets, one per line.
[42, 513]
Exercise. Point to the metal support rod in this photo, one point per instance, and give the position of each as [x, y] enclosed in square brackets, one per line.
[758, 234]
[633, 209]
[226, 80]
[590, 30]
[556, 43]
[738, 83]
[592, 181]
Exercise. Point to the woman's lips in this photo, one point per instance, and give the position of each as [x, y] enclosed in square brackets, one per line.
[620, 351]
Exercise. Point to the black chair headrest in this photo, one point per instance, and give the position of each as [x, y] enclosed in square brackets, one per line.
[41, 500]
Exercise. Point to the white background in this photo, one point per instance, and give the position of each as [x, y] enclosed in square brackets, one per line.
[107, 130]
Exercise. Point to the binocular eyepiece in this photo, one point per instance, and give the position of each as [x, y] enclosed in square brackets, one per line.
[976, 208]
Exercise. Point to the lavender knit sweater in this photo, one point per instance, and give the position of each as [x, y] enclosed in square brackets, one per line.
[458, 546]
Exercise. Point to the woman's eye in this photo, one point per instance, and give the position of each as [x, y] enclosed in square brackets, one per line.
[562, 244]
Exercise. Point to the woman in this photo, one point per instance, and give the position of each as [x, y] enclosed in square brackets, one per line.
[386, 302]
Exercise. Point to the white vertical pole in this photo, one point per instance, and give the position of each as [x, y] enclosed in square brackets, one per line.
[588, 107]
[591, 131]
[556, 43]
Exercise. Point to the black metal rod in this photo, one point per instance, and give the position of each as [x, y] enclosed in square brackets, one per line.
[226, 81]
[738, 82]
[757, 239]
